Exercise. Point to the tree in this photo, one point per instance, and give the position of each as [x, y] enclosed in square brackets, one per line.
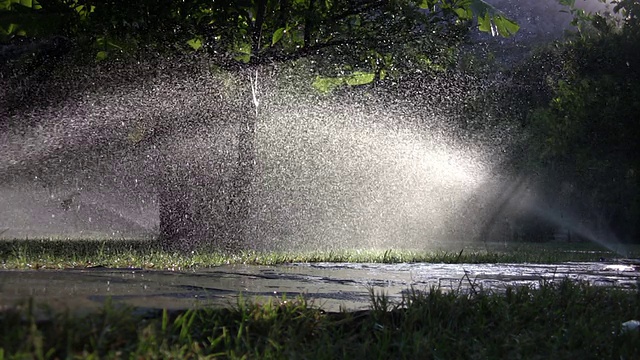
[344, 42]
[587, 134]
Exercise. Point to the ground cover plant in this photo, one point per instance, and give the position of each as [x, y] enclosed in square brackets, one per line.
[60, 254]
[565, 320]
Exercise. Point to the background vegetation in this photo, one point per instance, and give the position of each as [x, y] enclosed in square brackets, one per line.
[587, 133]
[573, 104]
[579, 119]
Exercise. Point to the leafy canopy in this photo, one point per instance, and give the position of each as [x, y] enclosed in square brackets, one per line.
[355, 41]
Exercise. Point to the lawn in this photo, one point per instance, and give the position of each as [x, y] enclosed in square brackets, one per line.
[559, 320]
[566, 320]
[59, 254]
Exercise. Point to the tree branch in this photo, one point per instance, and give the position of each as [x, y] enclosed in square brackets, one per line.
[257, 26]
[308, 24]
[284, 8]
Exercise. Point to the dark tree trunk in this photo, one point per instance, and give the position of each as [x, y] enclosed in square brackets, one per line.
[257, 30]
[240, 205]
[283, 14]
[208, 207]
[175, 224]
[308, 24]
[197, 214]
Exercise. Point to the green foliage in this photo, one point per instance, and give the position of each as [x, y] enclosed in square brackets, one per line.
[327, 84]
[588, 132]
[491, 20]
[195, 43]
[344, 37]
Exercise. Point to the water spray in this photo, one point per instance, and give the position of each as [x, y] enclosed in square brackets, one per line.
[254, 90]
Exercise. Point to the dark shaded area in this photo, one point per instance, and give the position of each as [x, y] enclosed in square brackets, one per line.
[422, 325]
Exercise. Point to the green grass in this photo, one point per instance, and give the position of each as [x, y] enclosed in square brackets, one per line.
[58, 254]
[566, 320]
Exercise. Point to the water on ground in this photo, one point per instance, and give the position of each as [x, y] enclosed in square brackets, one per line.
[330, 286]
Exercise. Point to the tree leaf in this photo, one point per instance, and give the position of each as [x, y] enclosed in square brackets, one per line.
[327, 84]
[484, 22]
[506, 27]
[195, 43]
[427, 4]
[464, 13]
[101, 55]
[492, 20]
[360, 78]
[277, 35]
[243, 51]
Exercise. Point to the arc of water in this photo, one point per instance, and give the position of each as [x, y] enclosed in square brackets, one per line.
[254, 90]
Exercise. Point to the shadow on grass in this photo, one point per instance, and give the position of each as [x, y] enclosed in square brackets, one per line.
[564, 320]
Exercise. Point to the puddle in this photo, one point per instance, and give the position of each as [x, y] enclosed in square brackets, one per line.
[330, 286]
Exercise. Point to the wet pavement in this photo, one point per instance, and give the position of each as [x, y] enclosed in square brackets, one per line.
[330, 286]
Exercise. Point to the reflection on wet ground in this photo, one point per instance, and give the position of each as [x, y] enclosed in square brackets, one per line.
[331, 286]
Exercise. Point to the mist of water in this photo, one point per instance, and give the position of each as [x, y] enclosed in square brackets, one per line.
[348, 170]
[524, 211]
[332, 171]
[338, 173]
